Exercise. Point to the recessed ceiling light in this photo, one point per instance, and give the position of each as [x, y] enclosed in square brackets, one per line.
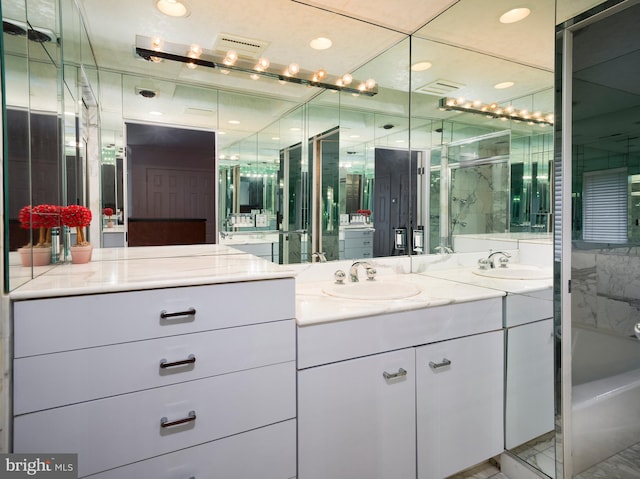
[420, 66]
[275, 137]
[504, 84]
[294, 129]
[320, 43]
[515, 15]
[354, 136]
[222, 133]
[155, 113]
[173, 8]
[234, 122]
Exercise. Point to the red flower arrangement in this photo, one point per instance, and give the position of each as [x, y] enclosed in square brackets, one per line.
[364, 212]
[76, 216]
[108, 212]
[42, 218]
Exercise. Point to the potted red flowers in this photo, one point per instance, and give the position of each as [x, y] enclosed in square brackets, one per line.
[41, 218]
[77, 216]
[108, 212]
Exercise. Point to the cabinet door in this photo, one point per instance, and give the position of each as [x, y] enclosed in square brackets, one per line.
[353, 422]
[530, 384]
[459, 391]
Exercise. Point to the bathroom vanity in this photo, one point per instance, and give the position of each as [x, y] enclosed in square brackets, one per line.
[177, 361]
[433, 364]
[150, 366]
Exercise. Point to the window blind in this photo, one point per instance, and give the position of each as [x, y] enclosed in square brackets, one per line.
[604, 206]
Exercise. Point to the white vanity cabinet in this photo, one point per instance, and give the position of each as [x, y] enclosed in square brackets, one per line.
[376, 396]
[459, 394]
[166, 383]
[357, 418]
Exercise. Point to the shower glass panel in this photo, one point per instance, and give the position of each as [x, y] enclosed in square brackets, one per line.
[604, 54]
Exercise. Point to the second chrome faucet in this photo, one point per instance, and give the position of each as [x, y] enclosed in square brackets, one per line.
[353, 271]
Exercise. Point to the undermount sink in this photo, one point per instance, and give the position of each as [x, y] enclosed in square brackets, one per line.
[518, 271]
[373, 290]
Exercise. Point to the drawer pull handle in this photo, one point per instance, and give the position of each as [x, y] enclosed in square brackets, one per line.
[164, 422]
[165, 364]
[388, 376]
[442, 364]
[166, 315]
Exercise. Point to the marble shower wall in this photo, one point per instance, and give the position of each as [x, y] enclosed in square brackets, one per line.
[479, 199]
[605, 288]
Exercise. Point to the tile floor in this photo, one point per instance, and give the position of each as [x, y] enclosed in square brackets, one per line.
[483, 471]
[624, 465]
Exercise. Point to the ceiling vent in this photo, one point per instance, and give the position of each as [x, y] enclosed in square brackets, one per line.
[440, 87]
[199, 111]
[243, 46]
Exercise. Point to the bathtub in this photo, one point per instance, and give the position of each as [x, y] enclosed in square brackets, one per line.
[606, 395]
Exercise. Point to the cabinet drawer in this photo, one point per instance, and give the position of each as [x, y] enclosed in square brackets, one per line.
[112, 432]
[53, 380]
[265, 453]
[61, 324]
[359, 235]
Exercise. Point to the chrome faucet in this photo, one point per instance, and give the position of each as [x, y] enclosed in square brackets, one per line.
[321, 256]
[443, 249]
[353, 271]
[503, 261]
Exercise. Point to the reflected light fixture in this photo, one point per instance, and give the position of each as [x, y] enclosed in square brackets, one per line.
[503, 85]
[156, 49]
[173, 8]
[320, 43]
[515, 15]
[420, 66]
[493, 110]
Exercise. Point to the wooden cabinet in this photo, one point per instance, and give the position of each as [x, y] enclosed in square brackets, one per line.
[357, 418]
[459, 391]
[179, 379]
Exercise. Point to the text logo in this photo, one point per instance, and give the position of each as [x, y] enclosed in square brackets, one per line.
[47, 466]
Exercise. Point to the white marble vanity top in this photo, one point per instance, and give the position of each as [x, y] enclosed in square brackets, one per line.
[137, 268]
[467, 276]
[313, 306]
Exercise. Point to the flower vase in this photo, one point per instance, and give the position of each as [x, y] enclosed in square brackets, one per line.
[81, 254]
[110, 224]
[30, 256]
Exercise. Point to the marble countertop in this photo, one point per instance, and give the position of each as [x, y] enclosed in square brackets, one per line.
[313, 306]
[511, 286]
[137, 268]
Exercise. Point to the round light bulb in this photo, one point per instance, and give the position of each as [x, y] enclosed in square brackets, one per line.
[347, 78]
[263, 63]
[322, 74]
[370, 83]
[293, 69]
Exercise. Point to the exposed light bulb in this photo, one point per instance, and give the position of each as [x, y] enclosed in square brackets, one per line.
[339, 82]
[263, 64]
[195, 51]
[370, 83]
[156, 44]
[362, 87]
[231, 57]
[322, 74]
[347, 78]
[293, 69]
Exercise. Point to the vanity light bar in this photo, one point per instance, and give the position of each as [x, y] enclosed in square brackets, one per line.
[493, 110]
[153, 50]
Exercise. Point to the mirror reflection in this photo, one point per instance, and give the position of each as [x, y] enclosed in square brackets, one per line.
[296, 173]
